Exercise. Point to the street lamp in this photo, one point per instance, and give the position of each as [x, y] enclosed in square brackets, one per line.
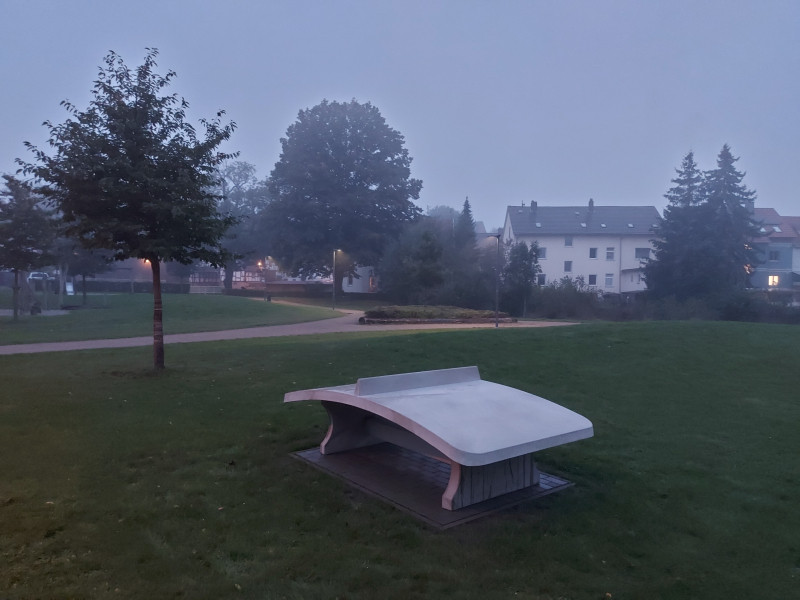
[496, 236]
[262, 267]
[333, 275]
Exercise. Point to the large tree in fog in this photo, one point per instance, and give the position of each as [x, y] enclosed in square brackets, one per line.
[130, 175]
[343, 181]
[703, 244]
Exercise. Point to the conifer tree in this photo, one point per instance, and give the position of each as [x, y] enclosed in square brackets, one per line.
[702, 245]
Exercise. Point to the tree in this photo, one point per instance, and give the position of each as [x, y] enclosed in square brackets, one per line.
[130, 175]
[86, 263]
[678, 266]
[244, 197]
[729, 210]
[342, 182]
[702, 243]
[411, 269]
[464, 231]
[519, 275]
[26, 232]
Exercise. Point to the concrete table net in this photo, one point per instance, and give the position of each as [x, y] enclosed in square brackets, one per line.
[486, 431]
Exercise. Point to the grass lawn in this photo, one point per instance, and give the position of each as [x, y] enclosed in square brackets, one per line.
[131, 315]
[117, 483]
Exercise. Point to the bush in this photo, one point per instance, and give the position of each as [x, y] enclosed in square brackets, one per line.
[428, 312]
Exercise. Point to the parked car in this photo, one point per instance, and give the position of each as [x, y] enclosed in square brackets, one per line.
[38, 276]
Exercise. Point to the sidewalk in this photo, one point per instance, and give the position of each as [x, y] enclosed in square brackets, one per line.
[347, 323]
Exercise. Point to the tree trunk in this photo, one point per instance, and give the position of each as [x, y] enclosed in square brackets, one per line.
[15, 294]
[228, 281]
[83, 285]
[158, 322]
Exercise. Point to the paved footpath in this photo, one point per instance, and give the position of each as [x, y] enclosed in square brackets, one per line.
[347, 323]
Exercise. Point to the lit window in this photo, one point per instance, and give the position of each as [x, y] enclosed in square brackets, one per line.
[592, 252]
[592, 279]
[610, 253]
[774, 280]
[568, 240]
[609, 280]
[567, 266]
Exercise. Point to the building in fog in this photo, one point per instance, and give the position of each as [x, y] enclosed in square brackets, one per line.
[779, 252]
[604, 245]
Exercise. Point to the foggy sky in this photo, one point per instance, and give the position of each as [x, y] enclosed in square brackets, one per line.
[500, 101]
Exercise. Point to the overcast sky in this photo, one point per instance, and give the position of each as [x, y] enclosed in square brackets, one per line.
[501, 101]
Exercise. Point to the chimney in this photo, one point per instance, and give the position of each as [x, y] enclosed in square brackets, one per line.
[591, 205]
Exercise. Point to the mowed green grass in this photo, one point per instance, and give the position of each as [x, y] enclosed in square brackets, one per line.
[117, 483]
[131, 315]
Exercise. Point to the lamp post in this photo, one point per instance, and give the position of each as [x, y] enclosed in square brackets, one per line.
[497, 282]
[333, 276]
[262, 267]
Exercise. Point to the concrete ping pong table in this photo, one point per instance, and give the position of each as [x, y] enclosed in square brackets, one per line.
[485, 431]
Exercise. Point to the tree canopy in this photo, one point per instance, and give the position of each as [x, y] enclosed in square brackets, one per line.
[519, 275]
[131, 175]
[245, 197]
[702, 247]
[343, 181]
[26, 231]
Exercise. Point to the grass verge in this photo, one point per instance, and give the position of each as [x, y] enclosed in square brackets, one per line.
[119, 483]
[131, 315]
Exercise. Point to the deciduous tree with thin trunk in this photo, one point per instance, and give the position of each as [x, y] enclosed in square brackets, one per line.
[131, 175]
[26, 232]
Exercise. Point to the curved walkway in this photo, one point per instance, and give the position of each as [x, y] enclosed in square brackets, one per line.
[346, 323]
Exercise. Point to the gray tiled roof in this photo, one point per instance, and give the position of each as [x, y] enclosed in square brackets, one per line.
[582, 220]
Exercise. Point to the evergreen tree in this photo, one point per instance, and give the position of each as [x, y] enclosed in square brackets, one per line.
[519, 275]
[702, 245]
[464, 231]
[729, 214]
[411, 269]
[678, 268]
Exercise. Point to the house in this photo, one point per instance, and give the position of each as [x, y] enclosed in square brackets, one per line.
[604, 245]
[779, 249]
[364, 281]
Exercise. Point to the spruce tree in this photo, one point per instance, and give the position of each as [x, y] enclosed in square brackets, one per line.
[729, 216]
[702, 247]
[676, 267]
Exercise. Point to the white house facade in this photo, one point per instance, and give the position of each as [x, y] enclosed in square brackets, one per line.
[604, 245]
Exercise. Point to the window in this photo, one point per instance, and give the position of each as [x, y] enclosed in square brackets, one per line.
[592, 279]
[568, 241]
[350, 279]
[592, 252]
[610, 253]
[774, 255]
[541, 279]
[642, 253]
[609, 280]
[542, 253]
[567, 266]
[774, 280]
